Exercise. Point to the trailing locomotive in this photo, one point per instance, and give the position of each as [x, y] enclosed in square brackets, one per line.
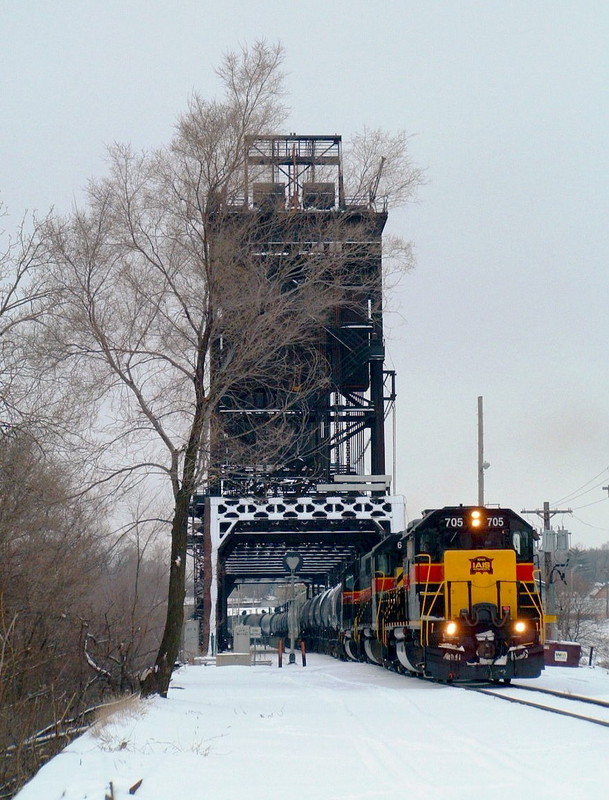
[454, 598]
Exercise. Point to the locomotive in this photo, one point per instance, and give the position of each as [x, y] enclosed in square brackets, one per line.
[455, 597]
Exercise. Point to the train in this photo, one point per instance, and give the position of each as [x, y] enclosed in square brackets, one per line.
[456, 597]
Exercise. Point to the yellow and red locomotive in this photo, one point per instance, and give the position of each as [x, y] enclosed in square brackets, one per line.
[455, 598]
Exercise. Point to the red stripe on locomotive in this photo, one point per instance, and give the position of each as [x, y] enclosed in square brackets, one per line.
[525, 572]
[429, 573]
[384, 584]
[434, 573]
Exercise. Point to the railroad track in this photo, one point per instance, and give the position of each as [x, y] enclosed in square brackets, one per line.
[565, 704]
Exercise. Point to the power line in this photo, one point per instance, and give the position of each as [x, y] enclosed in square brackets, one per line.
[595, 503]
[570, 495]
[589, 525]
[574, 496]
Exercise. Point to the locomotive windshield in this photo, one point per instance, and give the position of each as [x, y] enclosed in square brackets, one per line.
[474, 529]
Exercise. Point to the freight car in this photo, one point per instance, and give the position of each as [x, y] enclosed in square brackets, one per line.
[456, 597]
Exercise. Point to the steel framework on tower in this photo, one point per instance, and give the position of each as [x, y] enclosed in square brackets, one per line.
[294, 195]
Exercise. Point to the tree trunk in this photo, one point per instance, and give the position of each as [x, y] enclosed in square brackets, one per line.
[156, 680]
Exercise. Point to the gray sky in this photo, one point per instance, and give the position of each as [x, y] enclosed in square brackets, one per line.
[507, 102]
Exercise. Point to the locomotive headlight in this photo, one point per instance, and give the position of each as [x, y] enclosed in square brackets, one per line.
[476, 519]
[451, 628]
[520, 627]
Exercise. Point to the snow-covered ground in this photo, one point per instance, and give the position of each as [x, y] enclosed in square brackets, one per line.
[332, 730]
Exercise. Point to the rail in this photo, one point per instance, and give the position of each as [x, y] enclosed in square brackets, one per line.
[501, 694]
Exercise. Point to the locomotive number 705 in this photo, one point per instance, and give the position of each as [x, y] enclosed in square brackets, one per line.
[491, 523]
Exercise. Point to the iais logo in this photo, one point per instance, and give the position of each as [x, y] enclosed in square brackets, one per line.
[480, 564]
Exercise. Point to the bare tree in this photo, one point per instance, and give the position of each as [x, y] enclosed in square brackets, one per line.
[378, 166]
[81, 613]
[23, 299]
[128, 606]
[166, 309]
[50, 554]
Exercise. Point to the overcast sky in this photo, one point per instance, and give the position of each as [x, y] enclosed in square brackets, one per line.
[507, 104]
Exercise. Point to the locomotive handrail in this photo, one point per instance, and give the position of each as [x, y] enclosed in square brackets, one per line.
[356, 619]
[380, 634]
[536, 602]
[379, 601]
[429, 599]
[384, 597]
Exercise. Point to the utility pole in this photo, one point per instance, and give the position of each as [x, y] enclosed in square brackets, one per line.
[549, 551]
[547, 513]
[482, 464]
